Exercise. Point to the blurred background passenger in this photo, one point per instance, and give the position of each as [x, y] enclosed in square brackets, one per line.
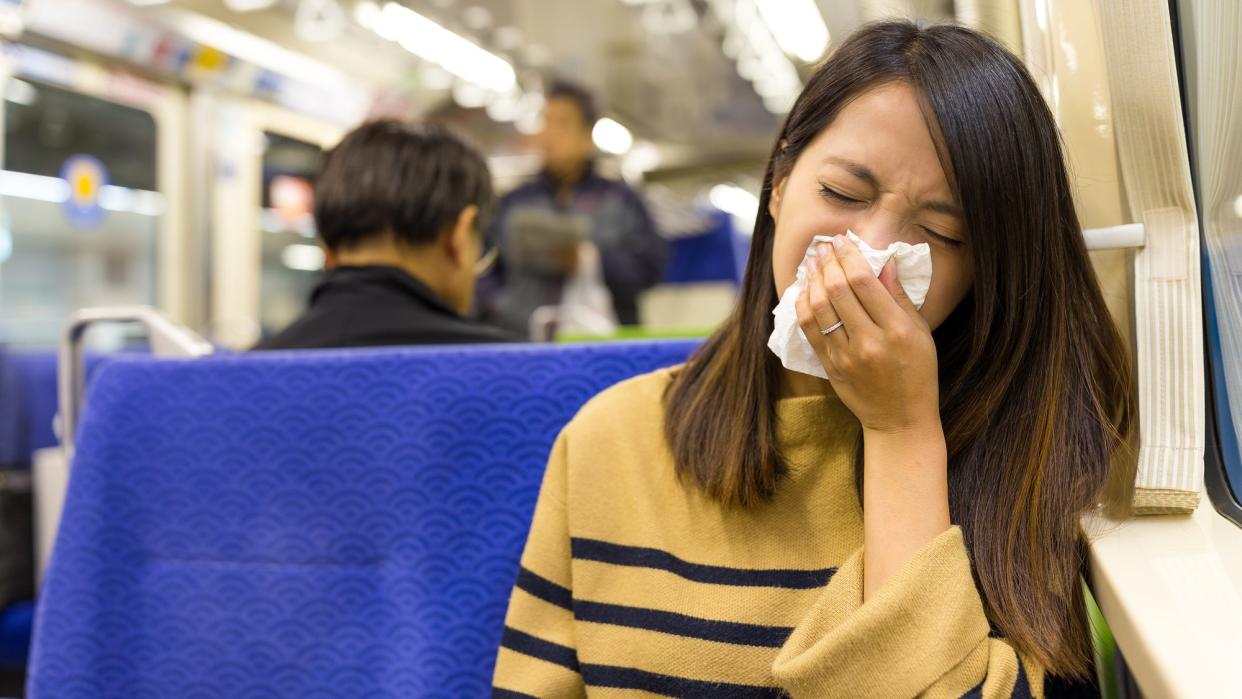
[399, 209]
[570, 223]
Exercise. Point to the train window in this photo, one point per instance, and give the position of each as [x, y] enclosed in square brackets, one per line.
[79, 208]
[292, 260]
[1210, 69]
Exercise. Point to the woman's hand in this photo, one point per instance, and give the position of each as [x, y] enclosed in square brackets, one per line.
[882, 360]
[882, 364]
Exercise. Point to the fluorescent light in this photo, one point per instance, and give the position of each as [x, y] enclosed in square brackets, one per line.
[24, 185]
[469, 95]
[20, 92]
[248, 5]
[250, 48]
[504, 107]
[456, 54]
[530, 113]
[759, 56]
[732, 199]
[302, 257]
[611, 136]
[366, 13]
[797, 26]
[55, 190]
[138, 201]
[643, 158]
[1237, 206]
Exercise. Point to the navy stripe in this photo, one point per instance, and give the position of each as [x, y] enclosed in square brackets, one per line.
[630, 678]
[682, 625]
[544, 589]
[1021, 686]
[536, 647]
[498, 693]
[639, 557]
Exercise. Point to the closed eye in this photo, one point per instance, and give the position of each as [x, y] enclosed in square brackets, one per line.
[830, 193]
[944, 240]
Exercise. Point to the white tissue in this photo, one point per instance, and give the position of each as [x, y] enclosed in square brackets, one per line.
[914, 271]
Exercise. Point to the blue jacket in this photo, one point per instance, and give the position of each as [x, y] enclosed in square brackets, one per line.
[632, 253]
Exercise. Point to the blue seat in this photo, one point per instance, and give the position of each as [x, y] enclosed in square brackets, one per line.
[712, 256]
[28, 403]
[27, 406]
[317, 524]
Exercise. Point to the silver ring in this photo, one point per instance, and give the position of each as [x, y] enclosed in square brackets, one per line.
[835, 326]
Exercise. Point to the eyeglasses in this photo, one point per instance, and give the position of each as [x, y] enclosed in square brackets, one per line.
[486, 260]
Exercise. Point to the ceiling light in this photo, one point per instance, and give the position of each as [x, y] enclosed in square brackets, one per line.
[303, 257]
[611, 136]
[456, 54]
[469, 96]
[248, 5]
[797, 26]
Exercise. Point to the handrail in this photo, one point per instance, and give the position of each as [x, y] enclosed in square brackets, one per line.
[168, 339]
[1127, 235]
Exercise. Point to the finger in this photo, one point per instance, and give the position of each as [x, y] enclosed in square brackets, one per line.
[821, 306]
[810, 327]
[840, 295]
[871, 293]
[888, 278]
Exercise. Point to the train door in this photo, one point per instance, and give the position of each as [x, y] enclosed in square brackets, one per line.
[265, 256]
[90, 194]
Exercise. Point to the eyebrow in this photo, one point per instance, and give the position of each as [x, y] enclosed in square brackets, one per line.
[865, 174]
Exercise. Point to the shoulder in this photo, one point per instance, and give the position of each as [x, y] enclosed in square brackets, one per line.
[631, 407]
[523, 192]
[618, 188]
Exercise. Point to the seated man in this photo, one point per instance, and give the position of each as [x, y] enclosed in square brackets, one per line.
[400, 209]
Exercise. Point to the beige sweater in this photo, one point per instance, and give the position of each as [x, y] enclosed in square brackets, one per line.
[632, 584]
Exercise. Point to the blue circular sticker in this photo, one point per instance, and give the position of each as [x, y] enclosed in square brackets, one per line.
[86, 177]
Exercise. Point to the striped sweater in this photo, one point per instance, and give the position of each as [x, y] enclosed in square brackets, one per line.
[632, 584]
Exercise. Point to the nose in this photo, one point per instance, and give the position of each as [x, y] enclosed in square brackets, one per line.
[879, 229]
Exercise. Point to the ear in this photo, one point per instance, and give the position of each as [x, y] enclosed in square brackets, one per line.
[459, 240]
[774, 201]
[778, 187]
[329, 257]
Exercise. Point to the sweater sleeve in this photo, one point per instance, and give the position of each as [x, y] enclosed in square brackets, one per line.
[924, 633]
[538, 657]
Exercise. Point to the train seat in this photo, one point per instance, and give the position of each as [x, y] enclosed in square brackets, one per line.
[315, 524]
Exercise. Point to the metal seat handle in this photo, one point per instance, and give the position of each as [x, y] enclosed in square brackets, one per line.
[168, 339]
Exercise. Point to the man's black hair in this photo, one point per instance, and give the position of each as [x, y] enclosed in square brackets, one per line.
[580, 96]
[411, 179]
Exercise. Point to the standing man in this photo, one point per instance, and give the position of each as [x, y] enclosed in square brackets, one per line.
[553, 228]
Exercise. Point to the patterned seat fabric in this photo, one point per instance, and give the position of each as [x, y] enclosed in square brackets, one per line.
[320, 524]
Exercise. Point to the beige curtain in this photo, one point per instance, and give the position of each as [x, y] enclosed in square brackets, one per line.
[1143, 84]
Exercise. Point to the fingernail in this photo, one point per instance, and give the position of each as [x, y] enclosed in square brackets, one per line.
[838, 241]
[822, 249]
[813, 264]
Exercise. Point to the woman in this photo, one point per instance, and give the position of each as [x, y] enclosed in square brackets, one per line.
[909, 527]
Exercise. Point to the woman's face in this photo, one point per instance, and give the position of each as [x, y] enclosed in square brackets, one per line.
[874, 171]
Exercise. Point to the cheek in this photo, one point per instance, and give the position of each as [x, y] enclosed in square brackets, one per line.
[951, 281]
[800, 221]
[786, 256]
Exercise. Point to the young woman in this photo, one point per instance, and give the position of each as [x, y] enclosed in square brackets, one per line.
[910, 527]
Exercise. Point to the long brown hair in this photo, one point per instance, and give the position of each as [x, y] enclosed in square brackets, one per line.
[1037, 396]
